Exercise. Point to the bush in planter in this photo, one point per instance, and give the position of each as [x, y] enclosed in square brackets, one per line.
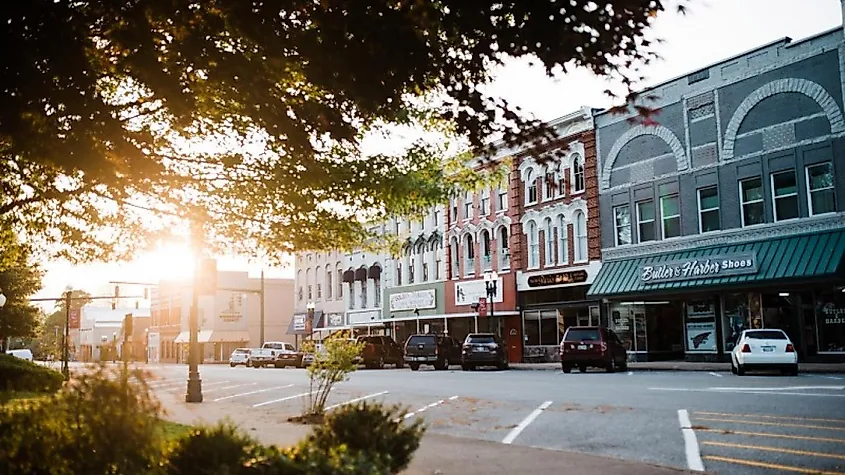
[17, 374]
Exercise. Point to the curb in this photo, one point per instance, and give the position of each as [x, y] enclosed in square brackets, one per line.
[556, 368]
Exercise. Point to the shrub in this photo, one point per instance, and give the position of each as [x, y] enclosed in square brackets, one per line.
[370, 430]
[17, 374]
[338, 358]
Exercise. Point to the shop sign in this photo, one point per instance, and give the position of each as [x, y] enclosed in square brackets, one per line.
[358, 318]
[234, 308]
[468, 293]
[701, 336]
[699, 268]
[335, 320]
[299, 322]
[418, 300]
[572, 277]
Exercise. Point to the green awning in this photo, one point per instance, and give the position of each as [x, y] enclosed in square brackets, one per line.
[790, 259]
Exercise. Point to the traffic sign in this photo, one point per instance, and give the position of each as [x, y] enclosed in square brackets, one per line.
[74, 318]
[482, 306]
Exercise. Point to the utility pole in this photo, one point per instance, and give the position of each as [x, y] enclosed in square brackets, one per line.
[261, 331]
[66, 337]
[194, 390]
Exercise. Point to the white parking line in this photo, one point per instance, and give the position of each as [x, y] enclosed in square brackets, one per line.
[514, 433]
[429, 406]
[716, 374]
[228, 387]
[833, 377]
[630, 373]
[690, 442]
[251, 392]
[288, 398]
[352, 401]
[750, 391]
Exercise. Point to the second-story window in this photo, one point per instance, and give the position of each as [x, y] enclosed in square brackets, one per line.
[533, 246]
[645, 220]
[485, 202]
[340, 284]
[437, 263]
[328, 284]
[708, 209]
[364, 293]
[580, 228]
[504, 253]
[319, 291]
[785, 191]
[751, 198]
[548, 185]
[425, 272]
[563, 241]
[486, 252]
[469, 255]
[377, 291]
[435, 217]
[411, 275]
[502, 205]
[468, 205]
[310, 294]
[670, 216]
[530, 187]
[578, 174]
[453, 210]
[622, 225]
[822, 197]
[455, 263]
[550, 242]
[398, 273]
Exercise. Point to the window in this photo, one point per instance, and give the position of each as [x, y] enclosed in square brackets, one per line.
[822, 198]
[485, 202]
[580, 237]
[435, 217]
[453, 206]
[310, 294]
[645, 220]
[437, 264]
[708, 209]
[550, 242]
[425, 272]
[468, 205]
[398, 273]
[319, 291]
[533, 246]
[377, 292]
[503, 196]
[751, 197]
[299, 291]
[562, 241]
[411, 274]
[328, 283]
[670, 214]
[339, 284]
[548, 185]
[469, 255]
[530, 187]
[504, 255]
[578, 174]
[364, 293]
[785, 191]
[622, 216]
[454, 259]
[486, 252]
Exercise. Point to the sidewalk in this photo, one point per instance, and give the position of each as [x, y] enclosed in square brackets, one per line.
[438, 454]
[685, 366]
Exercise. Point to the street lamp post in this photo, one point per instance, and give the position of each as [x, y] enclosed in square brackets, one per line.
[2, 303]
[491, 280]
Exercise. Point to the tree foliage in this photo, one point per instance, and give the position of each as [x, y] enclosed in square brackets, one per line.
[333, 363]
[249, 115]
[20, 278]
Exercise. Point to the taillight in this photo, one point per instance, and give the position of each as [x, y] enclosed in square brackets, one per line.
[790, 348]
[746, 348]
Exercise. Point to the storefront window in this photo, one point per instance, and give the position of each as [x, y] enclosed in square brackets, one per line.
[701, 326]
[734, 318]
[548, 328]
[629, 323]
[531, 323]
[830, 318]
[623, 325]
[460, 327]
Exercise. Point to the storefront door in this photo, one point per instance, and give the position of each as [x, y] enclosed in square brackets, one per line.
[513, 338]
[781, 311]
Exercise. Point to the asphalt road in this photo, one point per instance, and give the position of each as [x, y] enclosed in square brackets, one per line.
[715, 421]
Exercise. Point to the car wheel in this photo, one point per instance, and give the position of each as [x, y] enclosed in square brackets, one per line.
[792, 371]
[232, 365]
[624, 365]
[465, 367]
[733, 366]
[414, 366]
[611, 367]
[503, 365]
[566, 368]
[380, 363]
[740, 370]
[278, 365]
[582, 368]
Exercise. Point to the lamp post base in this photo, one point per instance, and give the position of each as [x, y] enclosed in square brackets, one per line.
[194, 393]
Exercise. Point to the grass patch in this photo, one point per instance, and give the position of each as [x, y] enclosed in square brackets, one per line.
[173, 430]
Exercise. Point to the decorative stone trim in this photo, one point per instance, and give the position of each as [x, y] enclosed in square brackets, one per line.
[802, 86]
[552, 212]
[816, 224]
[658, 130]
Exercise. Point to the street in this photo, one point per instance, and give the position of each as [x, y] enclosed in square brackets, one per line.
[690, 420]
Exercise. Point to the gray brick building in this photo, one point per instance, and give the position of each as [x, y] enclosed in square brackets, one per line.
[729, 211]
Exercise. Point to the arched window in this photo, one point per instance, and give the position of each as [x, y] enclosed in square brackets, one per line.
[454, 262]
[562, 241]
[469, 254]
[309, 289]
[300, 293]
[504, 253]
[580, 226]
[548, 184]
[549, 231]
[339, 295]
[578, 174]
[533, 246]
[329, 287]
[486, 252]
[530, 187]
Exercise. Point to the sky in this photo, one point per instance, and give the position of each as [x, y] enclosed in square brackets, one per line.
[711, 31]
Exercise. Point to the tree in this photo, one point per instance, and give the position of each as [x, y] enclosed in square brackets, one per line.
[337, 359]
[19, 279]
[248, 115]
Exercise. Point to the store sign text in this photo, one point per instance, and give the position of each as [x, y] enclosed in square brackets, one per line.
[557, 279]
[699, 268]
[418, 300]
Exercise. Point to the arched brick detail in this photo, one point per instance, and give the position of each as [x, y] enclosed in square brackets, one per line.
[657, 130]
[801, 86]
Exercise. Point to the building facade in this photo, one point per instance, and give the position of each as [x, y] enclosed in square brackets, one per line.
[729, 212]
[319, 284]
[364, 286]
[558, 236]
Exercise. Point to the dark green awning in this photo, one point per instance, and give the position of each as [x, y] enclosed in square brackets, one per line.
[795, 259]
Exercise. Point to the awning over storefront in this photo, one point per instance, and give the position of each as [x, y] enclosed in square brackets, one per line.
[297, 323]
[790, 259]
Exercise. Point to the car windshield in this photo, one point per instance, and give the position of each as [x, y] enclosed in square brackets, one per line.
[582, 334]
[481, 339]
[241, 351]
[274, 346]
[369, 339]
[421, 340]
[766, 335]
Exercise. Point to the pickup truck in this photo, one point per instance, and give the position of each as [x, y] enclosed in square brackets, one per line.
[276, 353]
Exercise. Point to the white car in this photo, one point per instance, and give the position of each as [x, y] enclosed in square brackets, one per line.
[764, 349]
[239, 356]
[24, 354]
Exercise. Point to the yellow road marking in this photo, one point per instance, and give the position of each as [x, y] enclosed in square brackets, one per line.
[761, 423]
[765, 416]
[776, 436]
[773, 466]
[775, 449]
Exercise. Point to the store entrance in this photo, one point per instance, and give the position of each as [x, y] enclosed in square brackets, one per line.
[781, 311]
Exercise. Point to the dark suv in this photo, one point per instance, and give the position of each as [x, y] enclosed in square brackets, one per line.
[381, 350]
[440, 351]
[598, 347]
[483, 349]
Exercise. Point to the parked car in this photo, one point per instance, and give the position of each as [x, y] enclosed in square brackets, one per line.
[483, 349]
[24, 354]
[239, 356]
[596, 347]
[764, 349]
[277, 353]
[440, 351]
[381, 350]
